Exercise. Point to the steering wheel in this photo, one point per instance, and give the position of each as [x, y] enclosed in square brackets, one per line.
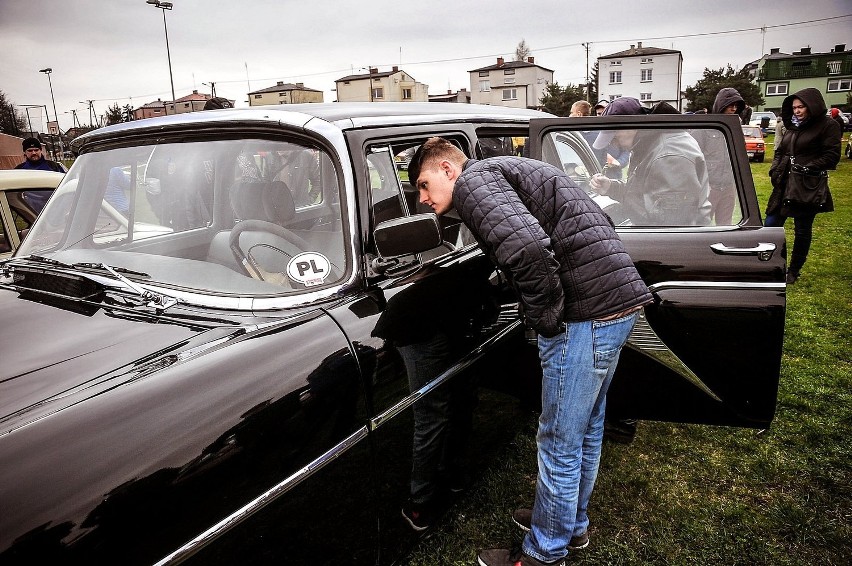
[260, 226]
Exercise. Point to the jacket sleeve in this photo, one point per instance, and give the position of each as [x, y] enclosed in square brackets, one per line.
[828, 154]
[492, 209]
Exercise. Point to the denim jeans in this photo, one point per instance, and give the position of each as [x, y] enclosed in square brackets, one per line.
[578, 366]
[803, 227]
[442, 418]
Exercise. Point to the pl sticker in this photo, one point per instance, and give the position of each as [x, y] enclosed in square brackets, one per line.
[309, 268]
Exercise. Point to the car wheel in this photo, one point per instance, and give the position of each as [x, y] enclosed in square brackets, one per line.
[759, 158]
[848, 151]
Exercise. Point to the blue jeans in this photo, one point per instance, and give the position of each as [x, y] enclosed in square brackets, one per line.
[803, 227]
[578, 366]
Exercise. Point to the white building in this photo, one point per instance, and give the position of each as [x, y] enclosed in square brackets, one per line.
[650, 74]
[386, 86]
[516, 84]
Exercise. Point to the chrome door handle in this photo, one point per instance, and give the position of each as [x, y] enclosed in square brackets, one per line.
[763, 250]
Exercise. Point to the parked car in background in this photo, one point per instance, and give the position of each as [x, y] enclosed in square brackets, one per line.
[766, 120]
[209, 369]
[23, 193]
[755, 146]
[849, 148]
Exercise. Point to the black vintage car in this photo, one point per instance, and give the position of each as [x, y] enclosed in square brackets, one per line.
[200, 337]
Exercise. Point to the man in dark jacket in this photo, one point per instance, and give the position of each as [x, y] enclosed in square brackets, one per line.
[579, 290]
[34, 158]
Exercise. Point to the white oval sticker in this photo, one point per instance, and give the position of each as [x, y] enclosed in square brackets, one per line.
[309, 268]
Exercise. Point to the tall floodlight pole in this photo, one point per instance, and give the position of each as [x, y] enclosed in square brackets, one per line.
[165, 6]
[47, 72]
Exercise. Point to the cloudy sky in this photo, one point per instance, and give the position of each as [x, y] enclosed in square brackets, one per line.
[114, 51]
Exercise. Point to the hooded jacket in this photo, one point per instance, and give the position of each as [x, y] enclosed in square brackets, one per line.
[815, 143]
[725, 98]
[557, 246]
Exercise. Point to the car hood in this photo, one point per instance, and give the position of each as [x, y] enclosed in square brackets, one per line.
[53, 357]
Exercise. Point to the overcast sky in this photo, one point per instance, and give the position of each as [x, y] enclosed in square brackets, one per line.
[114, 51]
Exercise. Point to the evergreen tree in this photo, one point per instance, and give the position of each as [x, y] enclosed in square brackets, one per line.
[522, 51]
[558, 100]
[703, 93]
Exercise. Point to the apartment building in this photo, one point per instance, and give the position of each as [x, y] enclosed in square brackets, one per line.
[516, 84]
[650, 74]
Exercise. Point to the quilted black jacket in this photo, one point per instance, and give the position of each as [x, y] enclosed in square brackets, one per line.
[557, 246]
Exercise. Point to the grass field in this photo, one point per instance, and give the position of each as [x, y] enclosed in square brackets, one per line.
[689, 494]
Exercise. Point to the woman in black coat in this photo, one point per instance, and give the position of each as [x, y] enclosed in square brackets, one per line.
[812, 138]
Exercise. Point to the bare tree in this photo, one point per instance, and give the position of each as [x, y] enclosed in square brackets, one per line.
[522, 51]
[11, 120]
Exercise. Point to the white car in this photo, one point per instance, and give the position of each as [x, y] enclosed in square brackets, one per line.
[23, 193]
[757, 118]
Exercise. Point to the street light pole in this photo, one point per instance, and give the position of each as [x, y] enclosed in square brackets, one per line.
[165, 6]
[47, 72]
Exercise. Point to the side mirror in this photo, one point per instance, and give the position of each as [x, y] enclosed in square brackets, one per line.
[408, 235]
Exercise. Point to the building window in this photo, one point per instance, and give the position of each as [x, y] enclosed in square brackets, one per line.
[508, 71]
[186, 104]
[646, 60]
[645, 96]
[282, 94]
[509, 80]
[833, 67]
[378, 93]
[615, 63]
[406, 94]
[258, 96]
[615, 77]
[483, 73]
[776, 89]
[510, 94]
[484, 86]
[647, 75]
[839, 85]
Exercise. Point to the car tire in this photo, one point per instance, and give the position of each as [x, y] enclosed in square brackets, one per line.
[759, 158]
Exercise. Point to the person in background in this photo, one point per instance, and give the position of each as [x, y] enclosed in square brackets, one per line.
[667, 179]
[723, 193]
[600, 106]
[835, 115]
[812, 138]
[579, 291]
[34, 158]
[580, 108]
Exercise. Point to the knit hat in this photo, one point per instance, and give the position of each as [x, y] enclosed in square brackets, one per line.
[217, 102]
[30, 143]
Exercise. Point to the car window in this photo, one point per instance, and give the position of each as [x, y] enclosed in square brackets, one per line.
[26, 206]
[241, 216]
[651, 177]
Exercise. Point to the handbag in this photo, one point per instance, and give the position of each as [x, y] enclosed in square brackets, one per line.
[806, 186]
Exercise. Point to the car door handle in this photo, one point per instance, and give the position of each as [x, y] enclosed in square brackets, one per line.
[763, 250]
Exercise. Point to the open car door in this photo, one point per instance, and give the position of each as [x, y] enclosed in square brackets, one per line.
[708, 350]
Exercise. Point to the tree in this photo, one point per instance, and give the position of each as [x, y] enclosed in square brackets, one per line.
[113, 115]
[127, 113]
[593, 85]
[558, 100]
[703, 93]
[522, 51]
[11, 120]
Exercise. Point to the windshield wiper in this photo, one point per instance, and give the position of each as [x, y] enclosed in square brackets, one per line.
[158, 301]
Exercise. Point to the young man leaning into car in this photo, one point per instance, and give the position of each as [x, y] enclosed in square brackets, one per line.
[548, 236]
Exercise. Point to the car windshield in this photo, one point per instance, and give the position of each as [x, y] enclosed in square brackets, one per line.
[752, 131]
[243, 217]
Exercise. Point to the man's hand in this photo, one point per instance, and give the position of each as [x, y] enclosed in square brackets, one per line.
[600, 183]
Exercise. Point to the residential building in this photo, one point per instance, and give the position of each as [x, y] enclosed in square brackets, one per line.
[189, 103]
[386, 86]
[462, 96]
[650, 74]
[516, 84]
[284, 93]
[780, 74]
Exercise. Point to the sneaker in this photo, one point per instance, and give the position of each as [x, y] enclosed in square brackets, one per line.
[507, 557]
[791, 277]
[523, 518]
[419, 516]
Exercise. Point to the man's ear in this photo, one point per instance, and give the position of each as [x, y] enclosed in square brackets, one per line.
[449, 168]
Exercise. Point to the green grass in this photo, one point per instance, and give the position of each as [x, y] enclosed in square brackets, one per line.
[690, 494]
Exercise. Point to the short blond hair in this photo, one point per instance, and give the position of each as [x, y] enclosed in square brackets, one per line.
[581, 107]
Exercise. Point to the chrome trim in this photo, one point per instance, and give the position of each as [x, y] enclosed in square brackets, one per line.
[738, 285]
[463, 364]
[763, 250]
[644, 340]
[203, 539]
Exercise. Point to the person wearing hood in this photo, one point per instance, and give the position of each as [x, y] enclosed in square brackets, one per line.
[812, 139]
[723, 193]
